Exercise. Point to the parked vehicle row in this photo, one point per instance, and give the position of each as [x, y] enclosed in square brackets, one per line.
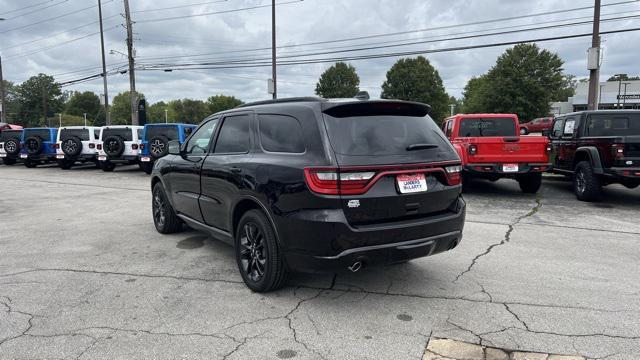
[105, 146]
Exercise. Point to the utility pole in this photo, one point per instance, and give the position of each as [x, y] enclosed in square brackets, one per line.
[166, 116]
[104, 68]
[2, 98]
[452, 106]
[132, 76]
[60, 119]
[273, 48]
[594, 59]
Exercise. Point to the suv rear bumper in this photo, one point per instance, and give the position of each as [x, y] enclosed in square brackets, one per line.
[497, 169]
[333, 245]
[39, 157]
[81, 157]
[122, 159]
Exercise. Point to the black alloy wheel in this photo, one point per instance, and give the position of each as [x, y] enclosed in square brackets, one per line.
[586, 183]
[72, 146]
[258, 255]
[159, 147]
[252, 252]
[12, 147]
[164, 217]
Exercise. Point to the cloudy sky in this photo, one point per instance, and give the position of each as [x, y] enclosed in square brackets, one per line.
[59, 37]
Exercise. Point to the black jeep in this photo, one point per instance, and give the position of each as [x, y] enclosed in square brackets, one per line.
[597, 148]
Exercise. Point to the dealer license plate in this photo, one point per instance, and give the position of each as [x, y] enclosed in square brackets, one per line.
[23, 156]
[145, 159]
[411, 183]
[510, 168]
[102, 158]
[59, 156]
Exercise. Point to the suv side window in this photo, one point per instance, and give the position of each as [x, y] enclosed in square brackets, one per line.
[280, 133]
[198, 143]
[448, 130]
[234, 137]
[558, 128]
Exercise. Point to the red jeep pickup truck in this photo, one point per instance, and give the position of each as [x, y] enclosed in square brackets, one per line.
[491, 148]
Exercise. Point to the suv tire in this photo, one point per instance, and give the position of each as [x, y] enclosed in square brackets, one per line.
[65, 164]
[113, 145]
[71, 146]
[586, 184]
[107, 166]
[9, 161]
[30, 163]
[12, 147]
[158, 146]
[164, 217]
[524, 131]
[34, 145]
[258, 255]
[530, 183]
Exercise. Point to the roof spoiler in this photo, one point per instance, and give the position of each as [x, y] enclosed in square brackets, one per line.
[376, 108]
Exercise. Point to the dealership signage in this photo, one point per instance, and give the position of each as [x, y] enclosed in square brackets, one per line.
[629, 97]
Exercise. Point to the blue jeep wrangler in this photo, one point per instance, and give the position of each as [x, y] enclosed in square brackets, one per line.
[155, 141]
[38, 146]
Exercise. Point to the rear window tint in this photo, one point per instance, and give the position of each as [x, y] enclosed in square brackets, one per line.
[170, 132]
[381, 135]
[234, 135]
[83, 134]
[613, 125]
[280, 133]
[125, 134]
[10, 134]
[43, 133]
[479, 127]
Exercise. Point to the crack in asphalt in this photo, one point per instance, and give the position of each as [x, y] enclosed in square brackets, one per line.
[506, 239]
[558, 226]
[506, 306]
[293, 329]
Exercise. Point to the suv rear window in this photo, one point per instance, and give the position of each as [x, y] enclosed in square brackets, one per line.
[83, 134]
[480, 127]
[613, 125]
[43, 133]
[10, 134]
[170, 132]
[380, 135]
[125, 134]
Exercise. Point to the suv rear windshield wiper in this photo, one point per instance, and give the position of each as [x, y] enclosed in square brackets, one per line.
[413, 147]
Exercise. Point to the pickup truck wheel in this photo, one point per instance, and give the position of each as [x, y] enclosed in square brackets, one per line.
[260, 260]
[530, 183]
[164, 217]
[523, 131]
[107, 166]
[8, 161]
[586, 183]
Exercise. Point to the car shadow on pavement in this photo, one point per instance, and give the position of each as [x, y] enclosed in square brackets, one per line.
[612, 195]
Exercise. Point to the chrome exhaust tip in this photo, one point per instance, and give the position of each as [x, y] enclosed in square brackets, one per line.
[355, 267]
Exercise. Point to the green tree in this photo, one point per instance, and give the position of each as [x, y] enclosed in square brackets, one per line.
[473, 95]
[33, 95]
[338, 81]
[457, 105]
[121, 108]
[11, 105]
[416, 80]
[568, 89]
[156, 114]
[83, 103]
[219, 103]
[524, 80]
[188, 110]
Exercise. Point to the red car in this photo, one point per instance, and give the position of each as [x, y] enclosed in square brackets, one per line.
[536, 125]
[491, 148]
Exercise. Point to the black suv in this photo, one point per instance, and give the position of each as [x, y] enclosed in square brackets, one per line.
[597, 148]
[309, 184]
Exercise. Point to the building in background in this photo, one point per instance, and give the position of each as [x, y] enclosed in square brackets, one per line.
[613, 95]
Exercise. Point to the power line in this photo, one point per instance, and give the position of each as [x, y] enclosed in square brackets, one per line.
[52, 18]
[38, 10]
[25, 7]
[217, 12]
[244, 60]
[179, 6]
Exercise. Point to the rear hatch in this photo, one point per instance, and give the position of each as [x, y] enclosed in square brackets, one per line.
[624, 127]
[496, 140]
[392, 162]
[153, 131]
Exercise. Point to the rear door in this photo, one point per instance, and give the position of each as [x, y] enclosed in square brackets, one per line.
[391, 159]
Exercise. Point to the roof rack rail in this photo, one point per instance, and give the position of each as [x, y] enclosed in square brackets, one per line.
[283, 100]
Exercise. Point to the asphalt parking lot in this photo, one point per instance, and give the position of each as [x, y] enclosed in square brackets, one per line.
[83, 274]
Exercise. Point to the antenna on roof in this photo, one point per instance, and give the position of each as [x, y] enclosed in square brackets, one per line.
[362, 95]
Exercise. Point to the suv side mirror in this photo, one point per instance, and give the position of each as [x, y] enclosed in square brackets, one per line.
[546, 133]
[174, 147]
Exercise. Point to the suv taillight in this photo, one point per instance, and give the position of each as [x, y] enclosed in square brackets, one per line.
[141, 146]
[618, 151]
[473, 149]
[99, 146]
[549, 148]
[56, 146]
[134, 146]
[325, 181]
[454, 174]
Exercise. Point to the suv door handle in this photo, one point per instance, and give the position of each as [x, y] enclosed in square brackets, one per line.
[235, 170]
